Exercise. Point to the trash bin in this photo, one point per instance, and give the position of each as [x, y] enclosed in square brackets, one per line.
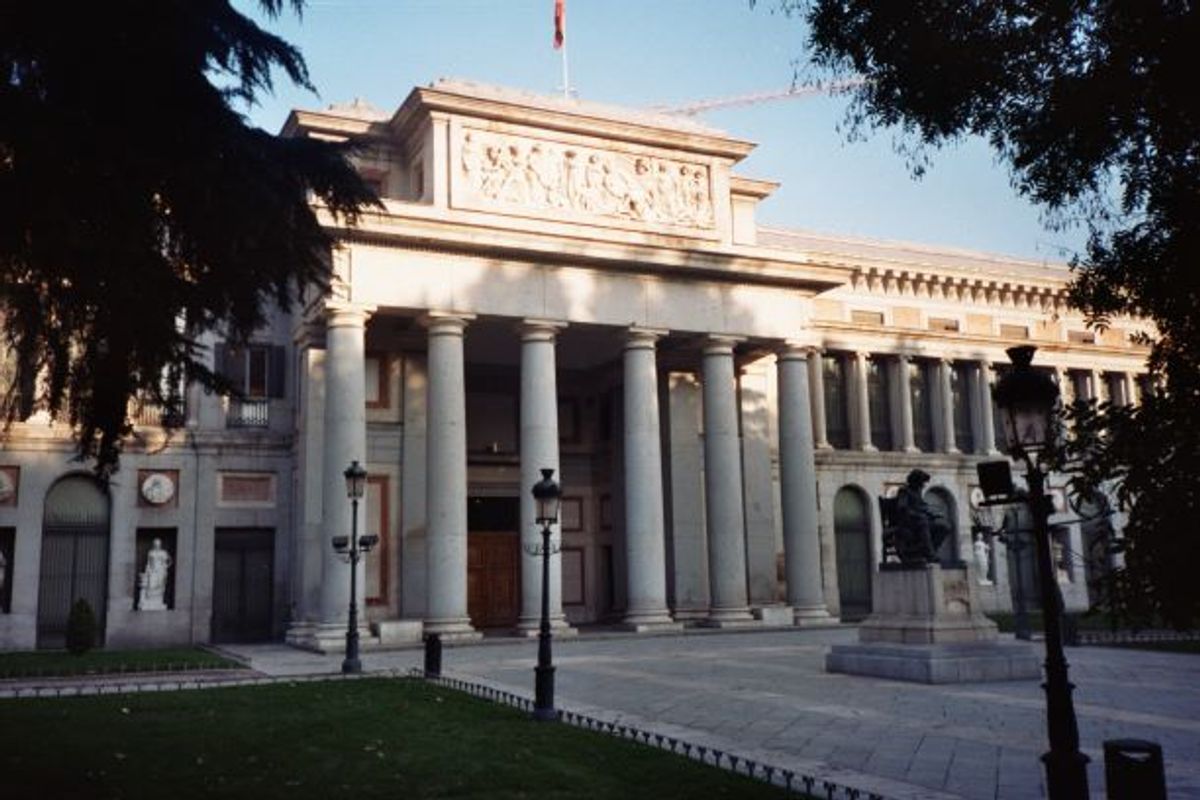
[433, 655]
[1133, 770]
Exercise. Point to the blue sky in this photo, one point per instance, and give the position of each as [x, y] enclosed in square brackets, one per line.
[646, 52]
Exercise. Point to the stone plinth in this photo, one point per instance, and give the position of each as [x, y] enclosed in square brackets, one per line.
[928, 627]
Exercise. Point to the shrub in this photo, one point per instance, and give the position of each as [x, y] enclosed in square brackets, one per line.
[81, 628]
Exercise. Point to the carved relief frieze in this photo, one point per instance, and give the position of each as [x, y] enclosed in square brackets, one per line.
[526, 174]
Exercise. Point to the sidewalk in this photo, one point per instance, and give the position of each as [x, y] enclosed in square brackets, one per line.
[765, 695]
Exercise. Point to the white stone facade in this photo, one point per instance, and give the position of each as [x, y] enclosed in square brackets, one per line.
[557, 284]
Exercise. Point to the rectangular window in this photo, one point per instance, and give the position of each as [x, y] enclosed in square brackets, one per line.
[921, 382]
[1081, 383]
[867, 317]
[256, 370]
[1014, 331]
[1104, 392]
[960, 393]
[1081, 337]
[943, 324]
[1145, 386]
[837, 425]
[879, 400]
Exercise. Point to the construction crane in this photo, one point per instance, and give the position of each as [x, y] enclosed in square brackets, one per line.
[754, 98]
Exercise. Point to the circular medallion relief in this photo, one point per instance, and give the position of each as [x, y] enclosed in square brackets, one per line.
[7, 487]
[158, 488]
[977, 497]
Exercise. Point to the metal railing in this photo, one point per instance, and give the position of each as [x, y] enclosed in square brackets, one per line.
[792, 780]
[248, 413]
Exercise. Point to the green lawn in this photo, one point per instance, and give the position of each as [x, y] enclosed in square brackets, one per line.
[393, 738]
[44, 663]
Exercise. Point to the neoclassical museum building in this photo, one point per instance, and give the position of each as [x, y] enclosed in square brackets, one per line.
[558, 284]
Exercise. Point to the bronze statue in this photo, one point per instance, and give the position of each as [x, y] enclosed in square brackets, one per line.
[911, 528]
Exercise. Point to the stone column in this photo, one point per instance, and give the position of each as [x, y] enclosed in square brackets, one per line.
[539, 449]
[1128, 382]
[723, 488]
[987, 422]
[688, 543]
[862, 402]
[816, 381]
[1094, 388]
[798, 490]
[904, 395]
[645, 529]
[345, 440]
[446, 479]
[945, 365]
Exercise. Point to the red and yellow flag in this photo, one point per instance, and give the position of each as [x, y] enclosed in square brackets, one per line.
[560, 23]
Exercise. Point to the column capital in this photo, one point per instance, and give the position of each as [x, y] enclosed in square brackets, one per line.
[446, 323]
[721, 345]
[539, 330]
[638, 338]
[342, 314]
[797, 349]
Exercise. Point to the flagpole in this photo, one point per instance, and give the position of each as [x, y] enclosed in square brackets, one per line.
[566, 73]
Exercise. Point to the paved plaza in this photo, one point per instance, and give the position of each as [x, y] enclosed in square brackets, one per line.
[767, 696]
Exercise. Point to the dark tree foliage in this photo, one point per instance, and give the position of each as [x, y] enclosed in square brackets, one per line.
[1093, 107]
[139, 209]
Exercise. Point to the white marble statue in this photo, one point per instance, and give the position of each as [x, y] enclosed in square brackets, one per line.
[153, 580]
[982, 560]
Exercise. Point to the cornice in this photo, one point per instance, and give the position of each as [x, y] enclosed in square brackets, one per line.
[422, 227]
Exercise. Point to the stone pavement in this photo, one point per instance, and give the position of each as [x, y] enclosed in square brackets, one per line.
[767, 696]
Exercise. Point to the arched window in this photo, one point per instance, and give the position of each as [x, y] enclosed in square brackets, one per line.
[74, 562]
[941, 503]
[852, 542]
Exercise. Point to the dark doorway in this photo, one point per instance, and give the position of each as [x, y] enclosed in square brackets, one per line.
[852, 540]
[243, 584]
[493, 562]
[74, 562]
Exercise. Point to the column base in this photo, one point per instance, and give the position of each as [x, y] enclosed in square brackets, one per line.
[813, 617]
[326, 637]
[773, 616]
[912, 448]
[730, 618]
[690, 614]
[530, 628]
[649, 621]
[456, 629]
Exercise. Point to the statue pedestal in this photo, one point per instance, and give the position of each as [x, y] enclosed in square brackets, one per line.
[928, 627]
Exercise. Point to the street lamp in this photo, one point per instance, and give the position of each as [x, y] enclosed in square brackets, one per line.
[546, 493]
[354, 547]
[1028, 401]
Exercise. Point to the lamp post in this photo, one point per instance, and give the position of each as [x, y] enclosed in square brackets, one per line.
[546, 493]
[1028, 400]
[353, 547]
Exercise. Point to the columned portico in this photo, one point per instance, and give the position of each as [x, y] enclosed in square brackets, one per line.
[539, 450]
[862, 403]
[798, 489]
[645, 541]
[816, 380]
[446, 479]
[946, 395]
[723, 488]
[987, 425]
[345, 440]
[904, 396]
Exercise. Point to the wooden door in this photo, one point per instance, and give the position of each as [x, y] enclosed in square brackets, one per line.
[493, 579]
